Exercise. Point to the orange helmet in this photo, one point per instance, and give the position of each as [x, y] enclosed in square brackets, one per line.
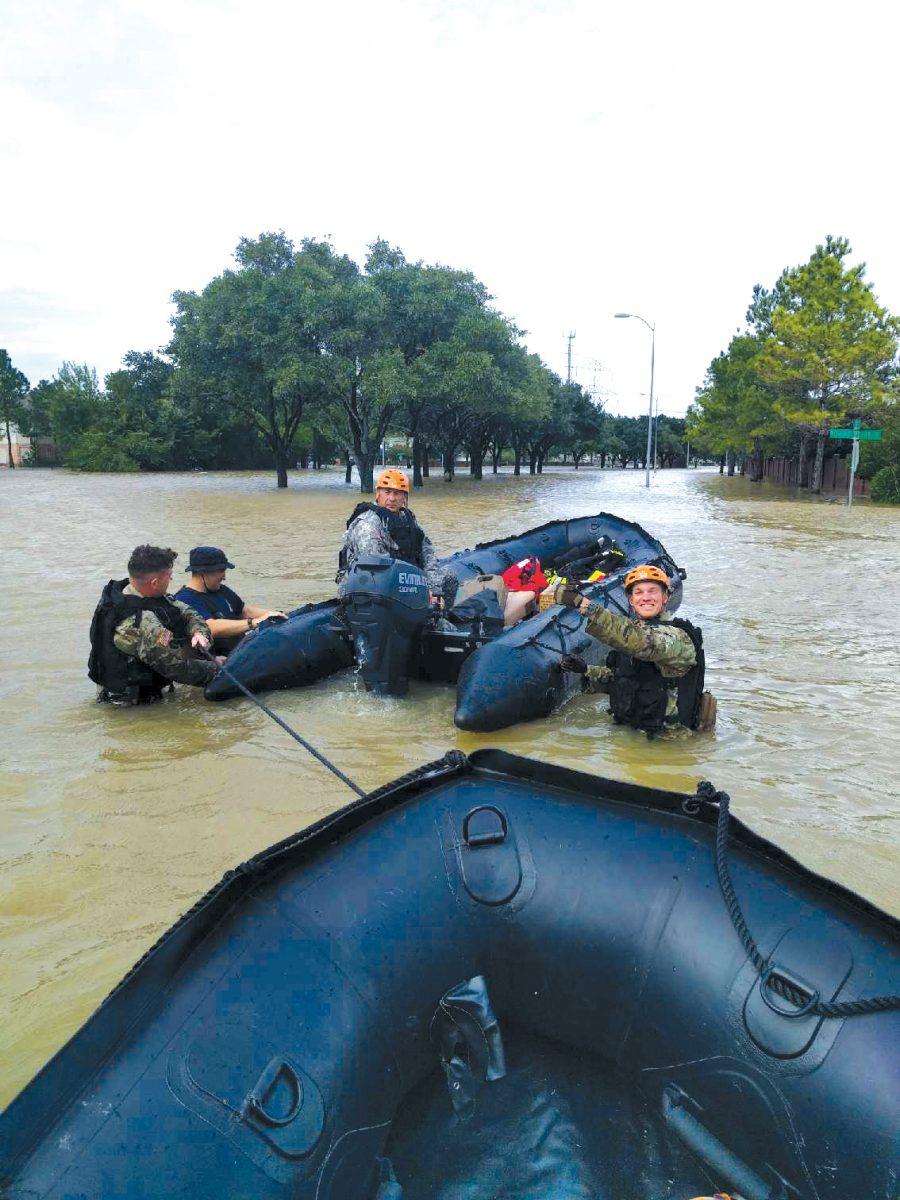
[646, 573]
[392, 478]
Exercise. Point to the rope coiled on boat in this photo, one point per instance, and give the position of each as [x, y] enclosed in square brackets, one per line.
[815, 1006]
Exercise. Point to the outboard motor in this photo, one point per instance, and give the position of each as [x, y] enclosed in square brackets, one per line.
[386, 605]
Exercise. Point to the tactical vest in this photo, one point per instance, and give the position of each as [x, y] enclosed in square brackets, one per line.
[639, 692]
[123, 675]
[402, 527]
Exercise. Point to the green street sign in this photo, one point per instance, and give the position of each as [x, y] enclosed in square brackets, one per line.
[864, 435]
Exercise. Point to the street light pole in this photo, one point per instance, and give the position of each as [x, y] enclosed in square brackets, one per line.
[652, 329]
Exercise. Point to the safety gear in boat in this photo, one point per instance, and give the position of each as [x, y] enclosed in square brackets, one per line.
[392, 478]
[639, 692]
[122, 676]
[647, 573]
[525, 576]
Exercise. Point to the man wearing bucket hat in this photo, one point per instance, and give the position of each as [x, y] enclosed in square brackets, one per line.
[223, 610]
[389, 527]
[654, 672]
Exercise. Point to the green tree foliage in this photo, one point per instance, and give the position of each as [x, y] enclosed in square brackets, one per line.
[252, 342]
[66, 407]
[817, 349]
[831, 345]
[13, 390]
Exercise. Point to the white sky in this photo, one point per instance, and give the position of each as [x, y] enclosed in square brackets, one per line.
[580, 157]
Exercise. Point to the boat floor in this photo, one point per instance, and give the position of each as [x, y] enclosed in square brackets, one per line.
[561, 1125]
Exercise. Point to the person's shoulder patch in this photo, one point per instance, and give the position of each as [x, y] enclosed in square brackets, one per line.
[165, 636]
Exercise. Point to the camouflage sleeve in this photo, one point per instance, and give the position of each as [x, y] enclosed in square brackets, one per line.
[597, 679]
[366, 535]
[667, 646]
[195, 622]
[433, 570]
[154, 645]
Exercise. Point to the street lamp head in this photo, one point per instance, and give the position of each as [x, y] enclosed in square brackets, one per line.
[623, 314]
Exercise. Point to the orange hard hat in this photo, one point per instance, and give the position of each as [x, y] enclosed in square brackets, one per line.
[392, 478]
[646, 573]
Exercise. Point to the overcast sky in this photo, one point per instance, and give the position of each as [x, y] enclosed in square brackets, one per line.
[580, 158]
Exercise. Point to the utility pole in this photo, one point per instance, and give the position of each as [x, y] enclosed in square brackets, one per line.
[569, 359]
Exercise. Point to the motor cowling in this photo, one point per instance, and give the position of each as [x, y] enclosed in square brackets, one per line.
[386, 605]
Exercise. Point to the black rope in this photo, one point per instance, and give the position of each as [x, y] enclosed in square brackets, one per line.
[284, 725]
[783, 988]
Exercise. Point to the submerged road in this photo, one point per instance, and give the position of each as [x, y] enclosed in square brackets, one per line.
[114, 821]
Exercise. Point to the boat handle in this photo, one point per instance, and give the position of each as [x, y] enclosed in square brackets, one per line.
[487, 837]
[795, 983]
[254, 1105]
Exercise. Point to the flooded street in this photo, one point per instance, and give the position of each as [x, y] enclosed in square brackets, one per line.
[114, 821]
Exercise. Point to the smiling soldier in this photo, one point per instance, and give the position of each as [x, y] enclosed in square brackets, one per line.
[654, 672]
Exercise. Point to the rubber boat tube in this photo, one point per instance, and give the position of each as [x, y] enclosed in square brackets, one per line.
[513, 677]
[493, 977]
[307, 647]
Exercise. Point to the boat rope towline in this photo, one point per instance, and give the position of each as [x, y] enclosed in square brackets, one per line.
[557, 624]
[284, 725]
[805, 1004]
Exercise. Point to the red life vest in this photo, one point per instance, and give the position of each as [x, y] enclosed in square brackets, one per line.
[525, 576]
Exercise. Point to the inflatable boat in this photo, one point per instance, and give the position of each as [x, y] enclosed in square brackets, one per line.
[491, 978]
[385, 623]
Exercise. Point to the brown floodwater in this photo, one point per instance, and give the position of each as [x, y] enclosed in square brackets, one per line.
[114, 821]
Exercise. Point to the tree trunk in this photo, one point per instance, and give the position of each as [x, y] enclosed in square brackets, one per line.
[476, 462]
[281, 468]
[729, 462]
[449, 460]
[540, 463]
[532, 462]
[495, 460]
[365, 464]
[721, 464]
[9, 446]
[803, 465]
[602, 459]
[517, 466]
[348, 467]
[816, 485]
[426, 465]
[756, 463]
[417, 461]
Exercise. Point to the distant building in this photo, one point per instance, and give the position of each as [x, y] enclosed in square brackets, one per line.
[41, 449]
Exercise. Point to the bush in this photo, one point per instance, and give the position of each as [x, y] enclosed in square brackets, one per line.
[886, 486]
[96, 450]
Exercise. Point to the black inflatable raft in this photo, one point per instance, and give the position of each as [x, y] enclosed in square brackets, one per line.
[491, 978]
[503, 676]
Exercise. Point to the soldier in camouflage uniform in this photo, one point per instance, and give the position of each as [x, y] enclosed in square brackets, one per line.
[389, 527]
[141, 639]
[654, 675]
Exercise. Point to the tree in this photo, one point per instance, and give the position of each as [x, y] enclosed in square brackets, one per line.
[139, 409]
[252, 340]
[13, 390]
[66, 407]
[586, 424]
[829, 346]
[424, 306]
